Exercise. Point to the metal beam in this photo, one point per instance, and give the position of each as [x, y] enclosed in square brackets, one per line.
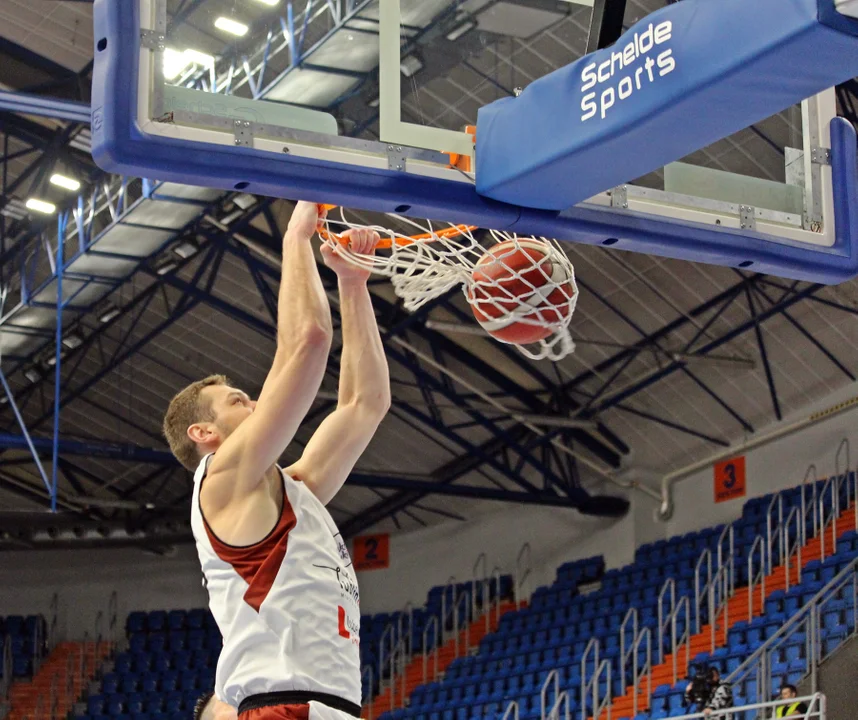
[27, 104]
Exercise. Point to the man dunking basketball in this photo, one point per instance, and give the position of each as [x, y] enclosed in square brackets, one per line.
[280, 581]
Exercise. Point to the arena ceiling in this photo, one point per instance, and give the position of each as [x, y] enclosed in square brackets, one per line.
[675, 360]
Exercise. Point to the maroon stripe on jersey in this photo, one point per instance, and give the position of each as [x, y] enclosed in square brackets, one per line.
[258, 564]
[278, 712]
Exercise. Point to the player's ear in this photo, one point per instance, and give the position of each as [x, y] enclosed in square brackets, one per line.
[201, 433]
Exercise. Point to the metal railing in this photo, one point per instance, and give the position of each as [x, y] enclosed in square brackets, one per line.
[511, 712]
[701, 588]
[756, 578]
[680, 637]
[461, 608]
[810, 506]
[431, 627]
[816, 710]
[793, 545]
[112, 621]
[445, 610]
[774, 533]
[664, 614]
[53, 612]
[590, 688]
[560, 700]
[719, 606]
[726, 555]
[8, 670]
[481, 581]
[523, 575]
[803, 629]
[398, 663]
[632, 671]
[494, 604]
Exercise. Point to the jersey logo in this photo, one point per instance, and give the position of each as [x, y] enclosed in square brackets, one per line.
[342, 623]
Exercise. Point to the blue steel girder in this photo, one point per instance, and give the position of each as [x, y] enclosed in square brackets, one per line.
[748, 325]
[761, 344]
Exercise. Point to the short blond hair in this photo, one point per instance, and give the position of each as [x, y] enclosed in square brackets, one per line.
[187, 408]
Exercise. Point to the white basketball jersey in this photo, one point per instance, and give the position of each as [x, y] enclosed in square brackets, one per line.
[288, 607]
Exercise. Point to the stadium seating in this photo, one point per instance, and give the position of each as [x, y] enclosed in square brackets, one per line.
[25, 634]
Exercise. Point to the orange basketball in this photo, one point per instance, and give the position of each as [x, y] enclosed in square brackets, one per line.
[513, 275]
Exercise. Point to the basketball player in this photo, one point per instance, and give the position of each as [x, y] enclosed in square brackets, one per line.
[280, 581]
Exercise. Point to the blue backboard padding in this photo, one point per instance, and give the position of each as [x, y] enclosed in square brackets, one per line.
[119, 146]
[711, 68]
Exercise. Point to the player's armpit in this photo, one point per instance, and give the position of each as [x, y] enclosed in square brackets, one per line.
[336, 446]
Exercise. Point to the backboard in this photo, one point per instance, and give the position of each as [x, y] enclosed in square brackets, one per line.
[685, 139]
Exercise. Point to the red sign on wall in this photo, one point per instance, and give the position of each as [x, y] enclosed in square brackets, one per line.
[371, 552]
[730, 479]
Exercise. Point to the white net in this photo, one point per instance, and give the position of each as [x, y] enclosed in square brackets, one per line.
[521, 289]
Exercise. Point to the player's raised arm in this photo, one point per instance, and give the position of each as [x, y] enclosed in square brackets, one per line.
[364, 392]
[303, 343]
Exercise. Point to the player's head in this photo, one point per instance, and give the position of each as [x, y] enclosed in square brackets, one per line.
[208, 707]
[202, 416]
[788, 691]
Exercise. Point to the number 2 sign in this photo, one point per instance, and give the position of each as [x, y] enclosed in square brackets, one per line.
[730, 479]
[371, 552]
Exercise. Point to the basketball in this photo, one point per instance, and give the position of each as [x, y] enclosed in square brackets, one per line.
[520, 294]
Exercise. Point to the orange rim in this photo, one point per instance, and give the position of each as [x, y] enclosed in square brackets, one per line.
[386, 243]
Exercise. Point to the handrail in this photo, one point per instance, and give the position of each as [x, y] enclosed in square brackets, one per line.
[828, 519]
[511, 708]
[591, 685]
[817, 708]
[702, 591]
[728, 534]
[387, 643]
[774, 534]
[664, 617]
[719, 597]
[406, 617]
[631, 652]
[814, 487]
[756, 579]
[38, 646]
[398, 663]
[522, 574]
[482, 561]
[562, 700]
[457, 630]
[843, 446]
[675, 641]
[795, 620]
[646, 670]
[793, 548]
[112, 617]
[431, 624]
[6, 680]
[605, 704]
[496, 603]
[552, 681]
[445, 611]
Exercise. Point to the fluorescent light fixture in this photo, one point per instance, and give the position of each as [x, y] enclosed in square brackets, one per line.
[176, 62]
[108, 314]
[32, 375]
[166, 267]
[410, 65]
[460, 30]
[41, 206]
[64, 182]
[72, 341]
[269, 3]
[186, 249]
[233, 27]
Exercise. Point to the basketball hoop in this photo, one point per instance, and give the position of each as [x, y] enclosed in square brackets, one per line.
[521, 289]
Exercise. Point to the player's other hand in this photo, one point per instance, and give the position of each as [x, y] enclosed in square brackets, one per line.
[361, 242]
[305, 219]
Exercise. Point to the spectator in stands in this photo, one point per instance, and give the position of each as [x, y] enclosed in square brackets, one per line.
[799, 709]
[714, 695]
[208, 707]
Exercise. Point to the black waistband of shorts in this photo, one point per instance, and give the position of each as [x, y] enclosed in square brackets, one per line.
[297, 697]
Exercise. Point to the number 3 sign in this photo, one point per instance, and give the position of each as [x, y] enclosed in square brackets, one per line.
[371, 552]
[730, 479]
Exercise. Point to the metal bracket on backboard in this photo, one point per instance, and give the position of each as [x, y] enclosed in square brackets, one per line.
[153, 40]
[620, 197]
[747, 217]
[820, 155]
[395, 158]
[243, 133]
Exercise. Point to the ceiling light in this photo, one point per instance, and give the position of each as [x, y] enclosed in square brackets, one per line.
[166, 267]
[32, 375]
[410, 65]
[72, 341]
[198, 58]
[65, 182]
[231, 26]
[460, 30]
[108, 314]
[269, 3]
[186, 249]
[41, 206]
[174, 63]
